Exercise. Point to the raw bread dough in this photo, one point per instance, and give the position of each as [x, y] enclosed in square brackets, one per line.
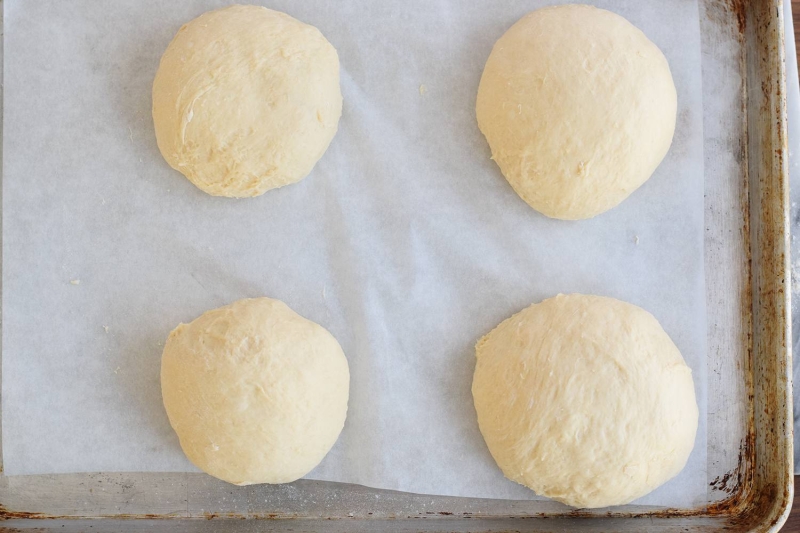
[585, 400]
[255, 392]
[578, 107]
[245, 100]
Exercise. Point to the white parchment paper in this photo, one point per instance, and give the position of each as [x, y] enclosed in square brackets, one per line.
[405, 241]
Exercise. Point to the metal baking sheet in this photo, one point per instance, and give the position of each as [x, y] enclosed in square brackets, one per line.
[749, 449]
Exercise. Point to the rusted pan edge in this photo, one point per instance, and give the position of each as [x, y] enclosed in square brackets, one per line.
[765, 496]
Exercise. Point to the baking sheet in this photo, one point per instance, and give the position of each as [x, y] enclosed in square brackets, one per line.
[405, 242]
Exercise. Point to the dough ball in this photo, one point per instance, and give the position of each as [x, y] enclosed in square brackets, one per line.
[255, 392]
[585, 400]
[578, 107]
[245, 100]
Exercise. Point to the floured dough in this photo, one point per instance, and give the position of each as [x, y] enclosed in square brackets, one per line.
[255, 392]
[585, 400]
[245, 100]
[578, 107]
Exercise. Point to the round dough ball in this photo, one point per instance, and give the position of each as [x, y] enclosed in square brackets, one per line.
[585, 400]
[245, 100]
[255, 392]
[578, 107]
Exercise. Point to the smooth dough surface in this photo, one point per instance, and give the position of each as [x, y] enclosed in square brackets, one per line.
[255, 392]
[579, 109]
[586, 400]
[245, 100]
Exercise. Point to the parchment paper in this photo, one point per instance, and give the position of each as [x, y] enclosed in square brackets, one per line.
[405, 241]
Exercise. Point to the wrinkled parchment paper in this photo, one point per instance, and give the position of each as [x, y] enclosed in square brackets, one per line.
[405, 241]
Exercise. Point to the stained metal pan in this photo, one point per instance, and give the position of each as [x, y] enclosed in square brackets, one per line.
[749, 403]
